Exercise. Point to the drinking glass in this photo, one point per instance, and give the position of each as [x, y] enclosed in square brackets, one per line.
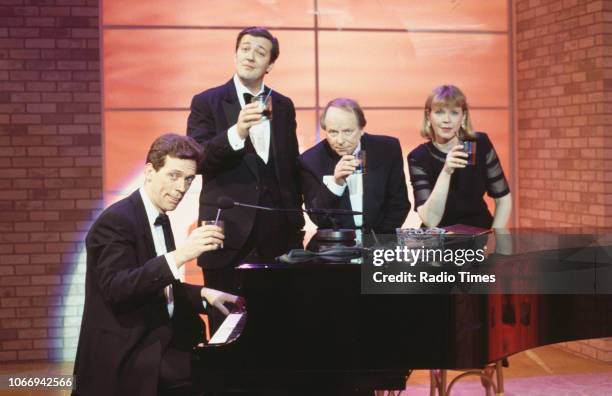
[218, 223]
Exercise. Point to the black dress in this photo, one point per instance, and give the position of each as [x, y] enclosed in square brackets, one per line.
[465, 203]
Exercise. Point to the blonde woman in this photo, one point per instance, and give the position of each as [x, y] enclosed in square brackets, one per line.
[452, 171]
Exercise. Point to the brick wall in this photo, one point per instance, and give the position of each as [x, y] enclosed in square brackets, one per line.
[564, 152]
[50, 169]
[563, 71]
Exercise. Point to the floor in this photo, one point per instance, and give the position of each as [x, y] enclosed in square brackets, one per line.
[542, 371]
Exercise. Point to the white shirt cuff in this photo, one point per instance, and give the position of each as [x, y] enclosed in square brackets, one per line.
[205, 304]
[335, 188]
[172, 266]
[235, 140]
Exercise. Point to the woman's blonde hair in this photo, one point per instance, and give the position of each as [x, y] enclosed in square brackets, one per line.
[447, 96]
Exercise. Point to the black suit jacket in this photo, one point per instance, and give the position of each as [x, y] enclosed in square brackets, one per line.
[385, 200]
[126, 325]
[226, 172]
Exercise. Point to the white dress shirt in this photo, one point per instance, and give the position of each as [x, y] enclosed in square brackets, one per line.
[259, 134]
[355, 185]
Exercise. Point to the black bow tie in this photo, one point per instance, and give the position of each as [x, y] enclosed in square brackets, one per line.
[162, 220]
[247, 97]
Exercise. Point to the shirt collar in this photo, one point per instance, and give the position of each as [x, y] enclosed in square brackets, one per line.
[241, 89]
[152, 212]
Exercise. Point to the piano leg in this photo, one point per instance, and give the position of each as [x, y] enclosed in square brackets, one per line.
[500, 377]
[437, 383]
[432, 384]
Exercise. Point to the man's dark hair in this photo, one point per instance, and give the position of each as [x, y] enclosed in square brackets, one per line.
[258, 31]
[173, 145]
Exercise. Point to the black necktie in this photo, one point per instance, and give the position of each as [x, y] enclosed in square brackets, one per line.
[247, 98]
[164, 221]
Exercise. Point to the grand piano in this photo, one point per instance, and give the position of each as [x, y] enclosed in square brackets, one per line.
[309, 328]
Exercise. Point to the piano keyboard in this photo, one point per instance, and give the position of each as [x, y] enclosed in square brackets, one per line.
[230, 329]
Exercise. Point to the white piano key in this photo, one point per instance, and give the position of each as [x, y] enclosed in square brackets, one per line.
[226, 328]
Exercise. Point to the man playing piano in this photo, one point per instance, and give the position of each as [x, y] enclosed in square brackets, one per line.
[140, 322]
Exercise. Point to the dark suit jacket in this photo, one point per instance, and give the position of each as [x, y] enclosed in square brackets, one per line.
[226, 172]
[126, 325]
[385, 200]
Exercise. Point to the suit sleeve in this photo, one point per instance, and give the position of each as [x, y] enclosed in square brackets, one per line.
[295, 154]
[116, 268]
[316, 194]
[195, 297]
[201, 126]
[396, 204]
[295, 174]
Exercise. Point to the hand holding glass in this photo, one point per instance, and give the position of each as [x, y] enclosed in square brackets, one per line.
[469, 147]
[218, 223]
[265, 104]
[360, 157]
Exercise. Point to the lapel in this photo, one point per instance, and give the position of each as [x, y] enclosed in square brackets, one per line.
[275, 130]
[143, 223]
[231, 109]
[140, 214]
[231, 105]
[370, 177]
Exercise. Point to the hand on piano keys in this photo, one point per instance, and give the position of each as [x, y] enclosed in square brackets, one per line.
[218, 299]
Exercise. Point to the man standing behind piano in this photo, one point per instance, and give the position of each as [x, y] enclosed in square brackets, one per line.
[250, 158]
[330, 180]
[140, 322]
